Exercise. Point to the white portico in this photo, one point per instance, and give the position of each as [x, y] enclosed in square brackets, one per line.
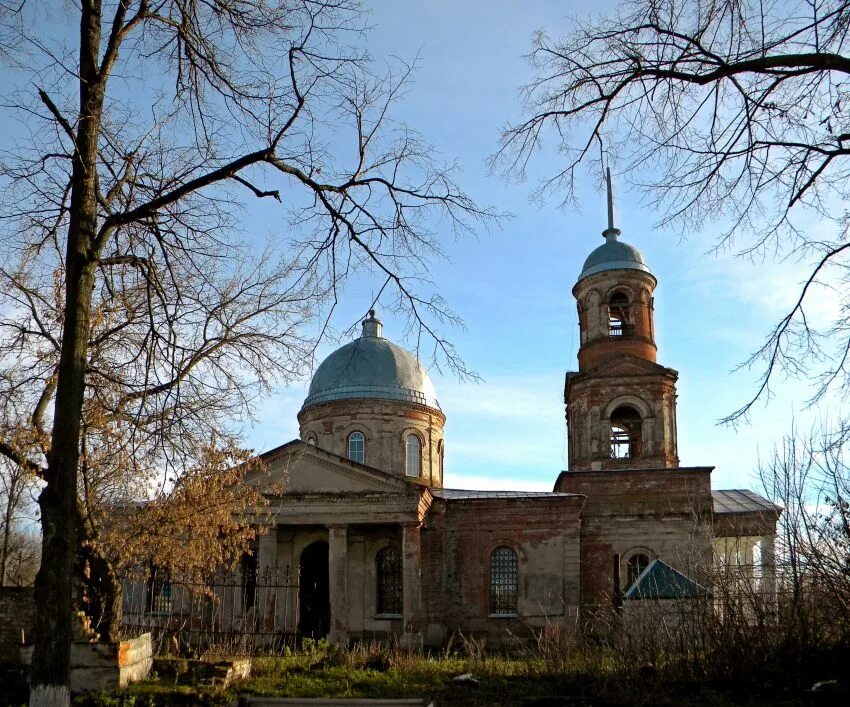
[329, 525]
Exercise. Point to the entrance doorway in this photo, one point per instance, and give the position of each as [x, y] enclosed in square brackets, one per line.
[314, 592]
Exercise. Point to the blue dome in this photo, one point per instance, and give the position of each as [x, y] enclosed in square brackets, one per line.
[371, 367]
[613, 255]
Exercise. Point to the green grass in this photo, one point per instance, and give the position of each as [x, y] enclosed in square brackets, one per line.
[591, 676]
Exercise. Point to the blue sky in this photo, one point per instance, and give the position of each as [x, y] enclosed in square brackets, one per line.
[512, 285]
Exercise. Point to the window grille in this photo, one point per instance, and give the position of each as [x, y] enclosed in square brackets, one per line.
[159, 592]
[388, 573]
[357, 447]
[413, 457]
[503, 581]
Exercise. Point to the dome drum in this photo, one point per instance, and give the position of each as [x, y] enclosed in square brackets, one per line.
[385, 426]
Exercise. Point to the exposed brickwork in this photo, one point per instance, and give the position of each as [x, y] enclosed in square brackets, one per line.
[16, 615]
[457, 544]
[664, 513]
[385, 424]
[592, 296]
[591, 398]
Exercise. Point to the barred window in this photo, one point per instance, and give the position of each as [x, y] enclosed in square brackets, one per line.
[357, 447]
[503, 581]
[159, 592]
[388, 594]
[413, 456]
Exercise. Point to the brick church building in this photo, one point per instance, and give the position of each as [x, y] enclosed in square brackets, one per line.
[380, 546]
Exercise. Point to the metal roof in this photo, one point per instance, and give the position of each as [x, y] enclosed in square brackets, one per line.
[741, 501]
[661, 581]
[371, 367]
[613, 254]
[466, 495]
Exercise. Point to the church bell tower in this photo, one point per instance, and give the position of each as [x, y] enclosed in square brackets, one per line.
[621, 404]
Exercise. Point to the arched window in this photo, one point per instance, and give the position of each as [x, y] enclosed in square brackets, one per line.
[503, 581]
[413, 456]
[619, 315]
[625, 433]
[441, 451]
[635, 565]
[311, 440]
[388, 586]
[357, 447]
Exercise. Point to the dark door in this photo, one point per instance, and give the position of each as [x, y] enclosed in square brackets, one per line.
[313, 592]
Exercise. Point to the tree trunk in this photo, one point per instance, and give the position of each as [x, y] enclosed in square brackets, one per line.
[50, 677]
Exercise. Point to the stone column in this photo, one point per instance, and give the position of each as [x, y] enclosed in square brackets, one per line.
[357, 590]
[749, 557]
[266, 564]
[338, 580]
[411, 553]
[768, 568]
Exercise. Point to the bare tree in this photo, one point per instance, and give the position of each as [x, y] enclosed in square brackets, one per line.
[23, 558]
[809, 476]
[15, 500]
[135, 318]
[732, 108]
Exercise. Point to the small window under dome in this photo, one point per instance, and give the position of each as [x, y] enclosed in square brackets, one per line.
[413, 456]
[357, 447]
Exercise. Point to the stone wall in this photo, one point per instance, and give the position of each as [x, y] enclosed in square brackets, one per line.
[386, 425]
[16, 615]
[105, 666]
[661, 513]
[458, 541]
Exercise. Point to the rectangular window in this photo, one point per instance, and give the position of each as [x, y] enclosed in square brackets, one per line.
[503, 581]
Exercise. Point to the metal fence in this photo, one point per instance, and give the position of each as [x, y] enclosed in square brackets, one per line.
[244, 612]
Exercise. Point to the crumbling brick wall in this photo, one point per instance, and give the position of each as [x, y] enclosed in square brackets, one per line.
[16, 614]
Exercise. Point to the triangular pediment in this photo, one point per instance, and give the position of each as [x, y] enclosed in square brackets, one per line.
[298, 469]
[629, 365]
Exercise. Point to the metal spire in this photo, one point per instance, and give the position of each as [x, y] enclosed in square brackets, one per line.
[612, 231]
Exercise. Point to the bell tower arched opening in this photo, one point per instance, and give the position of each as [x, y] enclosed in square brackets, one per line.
[620, 321]
[626, 433]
